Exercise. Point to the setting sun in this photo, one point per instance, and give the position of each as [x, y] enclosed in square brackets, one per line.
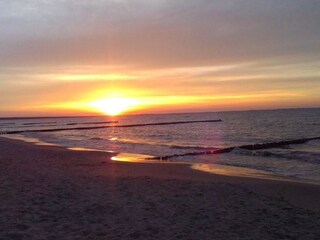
[113, 106]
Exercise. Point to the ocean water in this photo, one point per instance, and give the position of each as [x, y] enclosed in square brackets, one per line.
[298, 161]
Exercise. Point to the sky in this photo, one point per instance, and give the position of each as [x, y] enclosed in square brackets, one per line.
[79, 57]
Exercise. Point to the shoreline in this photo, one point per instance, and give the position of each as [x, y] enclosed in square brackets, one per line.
[211, 168]
[49, 191]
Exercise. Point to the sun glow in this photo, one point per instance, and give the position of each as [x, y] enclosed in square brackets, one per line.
[114, 105]
[93, 77]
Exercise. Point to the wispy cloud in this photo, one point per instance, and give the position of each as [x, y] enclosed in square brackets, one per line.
[161, 48]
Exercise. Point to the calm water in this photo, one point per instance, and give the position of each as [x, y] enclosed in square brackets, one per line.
[236, 128]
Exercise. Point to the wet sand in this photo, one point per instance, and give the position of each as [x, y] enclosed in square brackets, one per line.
[49, 192]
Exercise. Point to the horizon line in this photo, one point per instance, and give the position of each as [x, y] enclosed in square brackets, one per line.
[140, 114]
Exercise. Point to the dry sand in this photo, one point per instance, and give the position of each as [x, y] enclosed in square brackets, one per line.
[55, 193]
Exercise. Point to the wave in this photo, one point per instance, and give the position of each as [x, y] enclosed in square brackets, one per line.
[302, 156]
[7, 123]
[81, 123]
[171, 146]
[37, 123]
[191, 147]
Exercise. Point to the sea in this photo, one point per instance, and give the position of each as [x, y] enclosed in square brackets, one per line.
[189, 137]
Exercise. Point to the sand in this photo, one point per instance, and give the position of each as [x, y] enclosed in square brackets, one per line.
[50, 192]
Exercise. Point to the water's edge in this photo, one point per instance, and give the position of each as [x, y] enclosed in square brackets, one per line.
[217, 169]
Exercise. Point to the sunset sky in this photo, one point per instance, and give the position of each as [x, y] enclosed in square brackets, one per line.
[80, 57]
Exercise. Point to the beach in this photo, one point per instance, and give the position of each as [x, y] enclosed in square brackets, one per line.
[50, 192]
[159, 120]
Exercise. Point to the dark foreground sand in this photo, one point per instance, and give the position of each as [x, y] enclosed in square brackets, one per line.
[54, 193]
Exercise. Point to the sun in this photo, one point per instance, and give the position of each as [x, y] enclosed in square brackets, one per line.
[113, 106]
